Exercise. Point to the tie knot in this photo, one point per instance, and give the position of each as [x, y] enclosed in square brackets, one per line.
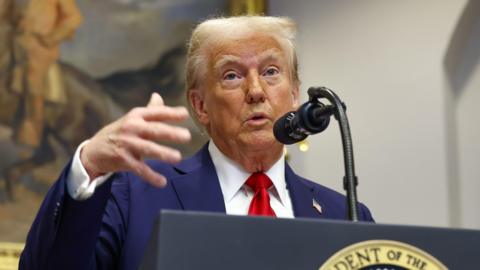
[259, 181]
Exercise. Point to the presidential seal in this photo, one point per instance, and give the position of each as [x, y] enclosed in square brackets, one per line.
[382, 255]
[10, 255]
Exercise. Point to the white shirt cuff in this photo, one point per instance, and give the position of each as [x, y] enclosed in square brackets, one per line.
[79, 185]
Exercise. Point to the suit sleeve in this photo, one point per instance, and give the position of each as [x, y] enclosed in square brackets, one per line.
[70, 234]
[365, 214]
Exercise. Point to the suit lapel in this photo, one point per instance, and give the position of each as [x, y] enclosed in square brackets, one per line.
[301, 194]
[197, 187]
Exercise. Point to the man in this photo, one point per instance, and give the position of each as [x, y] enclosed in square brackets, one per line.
[241, 77]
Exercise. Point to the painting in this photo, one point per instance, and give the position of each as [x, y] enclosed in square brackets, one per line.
[69, 67]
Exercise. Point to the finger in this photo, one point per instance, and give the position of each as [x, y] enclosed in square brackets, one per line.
[155, 100]
[163, 113]
[141, 169]
[139, 147]
[166, 113]
[158, 131]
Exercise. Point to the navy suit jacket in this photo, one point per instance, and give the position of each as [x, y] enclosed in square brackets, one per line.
[110, 230]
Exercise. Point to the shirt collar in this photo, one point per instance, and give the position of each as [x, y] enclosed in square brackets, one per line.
[232, 176]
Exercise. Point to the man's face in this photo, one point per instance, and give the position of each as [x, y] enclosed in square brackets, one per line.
[247, 87]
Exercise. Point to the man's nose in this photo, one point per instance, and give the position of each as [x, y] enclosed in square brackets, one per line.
[255, 89]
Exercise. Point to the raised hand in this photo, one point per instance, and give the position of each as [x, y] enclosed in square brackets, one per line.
[123, 144]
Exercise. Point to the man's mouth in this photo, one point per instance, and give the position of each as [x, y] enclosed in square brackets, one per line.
[257, 118]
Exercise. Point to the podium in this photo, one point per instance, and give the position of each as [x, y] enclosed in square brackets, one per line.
[195, 240]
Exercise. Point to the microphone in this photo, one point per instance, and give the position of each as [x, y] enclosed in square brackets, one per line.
[311, 118]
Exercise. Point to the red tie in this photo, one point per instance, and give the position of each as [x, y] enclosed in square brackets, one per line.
[260, 205]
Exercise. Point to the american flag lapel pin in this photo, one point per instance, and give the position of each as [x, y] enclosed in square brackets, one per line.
[317, 206]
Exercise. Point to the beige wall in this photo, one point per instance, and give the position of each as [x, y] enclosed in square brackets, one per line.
[386, 60]
[464, 75]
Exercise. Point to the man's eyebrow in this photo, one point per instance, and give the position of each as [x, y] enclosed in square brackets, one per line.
[270, 54]
[226, 59]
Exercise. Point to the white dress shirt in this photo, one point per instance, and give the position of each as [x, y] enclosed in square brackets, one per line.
[78, 181]
[237, 196]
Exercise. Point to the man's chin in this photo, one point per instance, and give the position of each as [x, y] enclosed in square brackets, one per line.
[261, 140]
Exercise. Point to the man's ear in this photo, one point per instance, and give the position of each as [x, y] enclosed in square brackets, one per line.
[296, 94]
[197, 103]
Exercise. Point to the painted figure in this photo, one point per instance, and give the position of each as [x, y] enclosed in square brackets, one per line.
[43, 26]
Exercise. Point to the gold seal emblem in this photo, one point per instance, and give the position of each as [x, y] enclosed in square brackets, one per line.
[10, 255]
[382, 255]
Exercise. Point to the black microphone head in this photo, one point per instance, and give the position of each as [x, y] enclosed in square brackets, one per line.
[284, 129]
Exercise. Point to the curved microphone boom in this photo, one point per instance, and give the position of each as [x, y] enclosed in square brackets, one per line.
[314, 117]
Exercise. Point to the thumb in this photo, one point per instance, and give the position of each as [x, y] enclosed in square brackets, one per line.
[155, 100]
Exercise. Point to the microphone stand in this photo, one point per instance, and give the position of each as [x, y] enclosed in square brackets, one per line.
[350, 181]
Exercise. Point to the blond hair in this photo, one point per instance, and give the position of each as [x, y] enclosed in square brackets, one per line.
[282, 29]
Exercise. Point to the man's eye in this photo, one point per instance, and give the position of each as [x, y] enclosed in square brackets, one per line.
[229, 76]
[271, 71]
